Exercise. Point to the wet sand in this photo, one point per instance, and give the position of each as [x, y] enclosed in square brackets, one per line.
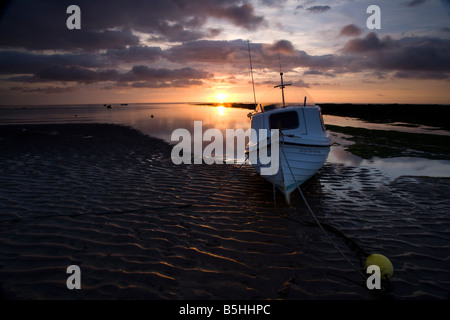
[109, 199]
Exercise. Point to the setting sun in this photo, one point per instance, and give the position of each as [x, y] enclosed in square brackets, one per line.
[221, 97]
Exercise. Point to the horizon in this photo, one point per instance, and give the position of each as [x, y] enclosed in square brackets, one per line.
[185, 52]
[212, 103]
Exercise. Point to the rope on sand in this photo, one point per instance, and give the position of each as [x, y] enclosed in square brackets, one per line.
[314, 216]
[352, 244]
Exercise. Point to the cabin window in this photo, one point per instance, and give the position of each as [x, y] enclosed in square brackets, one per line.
[287, 120]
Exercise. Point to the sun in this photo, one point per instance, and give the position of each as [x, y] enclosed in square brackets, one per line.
[221, 97]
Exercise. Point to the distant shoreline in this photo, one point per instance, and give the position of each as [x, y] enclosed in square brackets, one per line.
[435, 115]
[250, 106]
[431, 115]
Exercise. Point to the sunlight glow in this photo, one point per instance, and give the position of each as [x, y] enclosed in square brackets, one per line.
[220, 110]
[221, 97]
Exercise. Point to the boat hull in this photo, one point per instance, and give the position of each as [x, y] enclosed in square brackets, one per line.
[297, 164]
[300, 140]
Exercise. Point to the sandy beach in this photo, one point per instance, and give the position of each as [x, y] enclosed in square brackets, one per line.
[109, 199]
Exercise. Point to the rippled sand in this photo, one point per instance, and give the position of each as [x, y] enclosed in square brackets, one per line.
[110, 200]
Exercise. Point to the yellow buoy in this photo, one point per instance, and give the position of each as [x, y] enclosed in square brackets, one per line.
[386, 267]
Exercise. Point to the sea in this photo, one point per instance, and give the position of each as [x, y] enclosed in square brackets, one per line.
[161, 120]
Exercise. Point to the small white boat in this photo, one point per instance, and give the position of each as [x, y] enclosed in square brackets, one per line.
[304, 143]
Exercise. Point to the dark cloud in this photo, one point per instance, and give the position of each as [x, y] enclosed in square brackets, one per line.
[207, 51]
[155, 83]
[144, 73]
[41, 24]
[281, 46]
[411, 57]
[41, 35]
[20, 62]
[138, 76]
[75, 74]
[350, 30]
[243, 16]
[145, 77]
[134, 54]
[45, 90]
[423, 75]
[406, 58]
[318, 9]
[370, 42]
[235, 53]
[425, 54]
[315, 72]
[301, 84]
[414, 3]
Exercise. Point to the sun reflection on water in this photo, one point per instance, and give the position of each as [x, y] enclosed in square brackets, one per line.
[220, 110]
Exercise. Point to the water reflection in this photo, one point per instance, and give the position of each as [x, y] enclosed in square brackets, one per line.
[397, 126]
[220, 110]
[160, 120]
[393, 167]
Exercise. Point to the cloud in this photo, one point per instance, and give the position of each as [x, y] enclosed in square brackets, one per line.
[40, 24]
[370, 42]
[75, 74]
[350, 30]
[414, 3]
[315, 72]
[423, 75]
[134, 54]
[281, 46]
[145, 77]
[20, 62]
[235, 54]
[301, 84]
[242, 16]
[318, 9]
[139, 76]
[144, 73]
[45, 90]
[207, 51]
[44, 37]
[413, 57]
[135, 66]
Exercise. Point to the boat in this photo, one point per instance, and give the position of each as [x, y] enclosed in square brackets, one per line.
[304, 143]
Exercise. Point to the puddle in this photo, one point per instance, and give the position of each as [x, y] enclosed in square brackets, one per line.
[397, 126]
[393, 167]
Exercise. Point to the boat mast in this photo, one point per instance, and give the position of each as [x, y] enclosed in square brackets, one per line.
[282, 85]
[251, 71]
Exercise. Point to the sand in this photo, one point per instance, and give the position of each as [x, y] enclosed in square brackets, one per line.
[109, 199]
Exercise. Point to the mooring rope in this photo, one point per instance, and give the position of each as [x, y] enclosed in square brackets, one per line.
[313, 215]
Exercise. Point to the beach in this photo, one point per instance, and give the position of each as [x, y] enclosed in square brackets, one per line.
[108, 198]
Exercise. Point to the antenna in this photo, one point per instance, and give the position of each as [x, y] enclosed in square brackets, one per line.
[282, 85]
[251, 71]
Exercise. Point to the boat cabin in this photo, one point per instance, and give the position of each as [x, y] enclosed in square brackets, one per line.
[304, 122]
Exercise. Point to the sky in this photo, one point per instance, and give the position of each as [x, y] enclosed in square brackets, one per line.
[139, 51]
